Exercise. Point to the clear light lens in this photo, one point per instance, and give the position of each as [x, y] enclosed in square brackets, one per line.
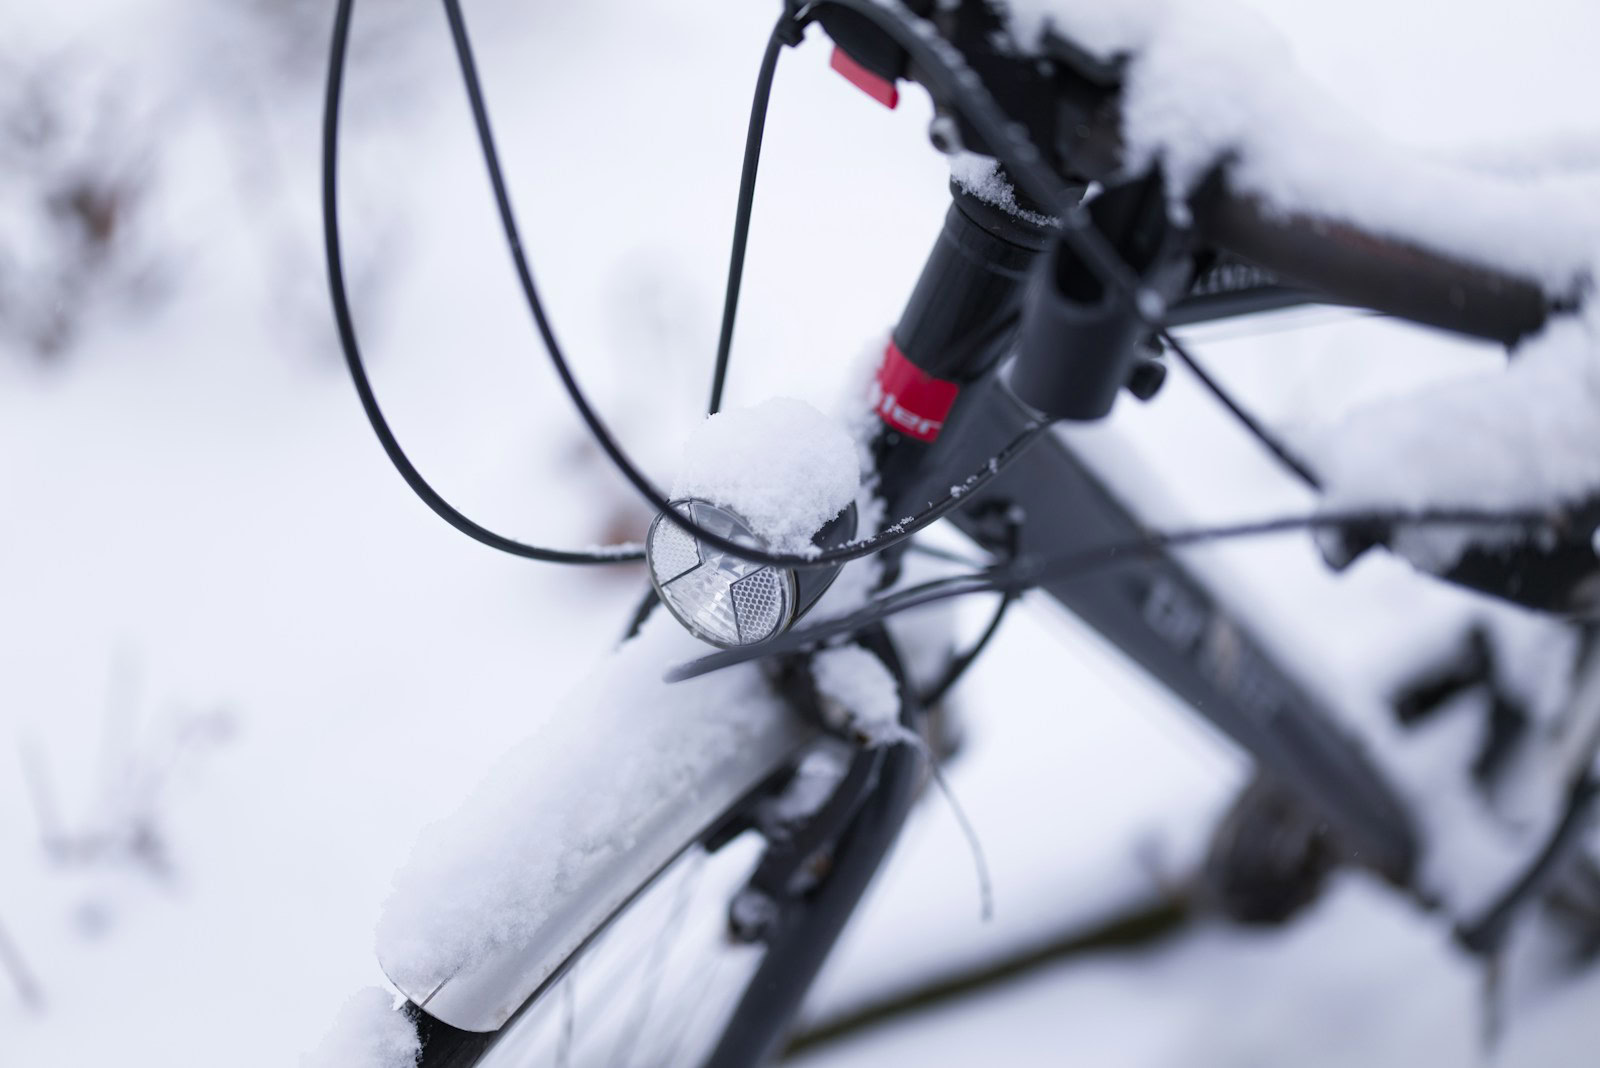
[721, 598]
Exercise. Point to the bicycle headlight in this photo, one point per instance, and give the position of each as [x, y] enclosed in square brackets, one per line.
[722, 598]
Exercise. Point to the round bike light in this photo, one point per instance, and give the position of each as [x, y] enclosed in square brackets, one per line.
[721, 598]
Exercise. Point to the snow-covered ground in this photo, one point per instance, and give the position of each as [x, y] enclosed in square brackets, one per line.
[246, 666]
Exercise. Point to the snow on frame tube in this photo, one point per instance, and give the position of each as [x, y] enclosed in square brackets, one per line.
[572, 823]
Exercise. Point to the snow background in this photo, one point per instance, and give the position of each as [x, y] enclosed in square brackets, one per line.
[226, 626]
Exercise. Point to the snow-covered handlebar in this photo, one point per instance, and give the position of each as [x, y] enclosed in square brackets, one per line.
[1266, 164]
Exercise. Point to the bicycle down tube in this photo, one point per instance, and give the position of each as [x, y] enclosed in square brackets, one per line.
[1154, 609]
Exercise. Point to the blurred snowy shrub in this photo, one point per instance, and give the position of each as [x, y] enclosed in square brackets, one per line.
[115, 825]
[282, 45]
[257, 68]
[75, 171]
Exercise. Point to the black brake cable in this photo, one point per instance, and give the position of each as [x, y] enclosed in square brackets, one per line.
[948, 556]
[788, 26]
[352, 352]
[961, 662]
[1010, 544]
[1268, 440]
[786, 32]
[1027, 572]
[891, 535]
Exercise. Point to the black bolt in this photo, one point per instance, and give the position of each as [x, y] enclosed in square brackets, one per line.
[1146, 379]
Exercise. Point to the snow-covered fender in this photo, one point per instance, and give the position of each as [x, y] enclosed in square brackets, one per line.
[573, 822]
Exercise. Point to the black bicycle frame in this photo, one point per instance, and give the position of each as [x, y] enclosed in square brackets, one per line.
[946, 408]
[1161, 614]
[1156, 610]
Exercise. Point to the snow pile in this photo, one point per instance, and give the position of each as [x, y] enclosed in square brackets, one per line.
[1208, 81]
[782, 465]
[368, 1033]
[1525, 438]
[980, 175]
[488, 876]
[858, 692]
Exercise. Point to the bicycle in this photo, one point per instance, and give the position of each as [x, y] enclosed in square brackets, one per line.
[1050, 291]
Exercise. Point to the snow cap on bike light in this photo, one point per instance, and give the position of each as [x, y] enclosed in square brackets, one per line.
[779, 476]
[722, 598]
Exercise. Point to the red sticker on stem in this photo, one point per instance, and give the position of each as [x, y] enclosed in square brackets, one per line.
[909, 399]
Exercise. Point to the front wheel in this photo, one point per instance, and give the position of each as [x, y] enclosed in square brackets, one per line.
[655, 987]
[705, 964]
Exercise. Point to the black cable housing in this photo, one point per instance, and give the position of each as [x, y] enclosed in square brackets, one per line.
[962, 661]
[1268, 441]
[855, 550]
[784, 33]
[787, 30]
[946, 73]
[1027, 572]
[352, 352]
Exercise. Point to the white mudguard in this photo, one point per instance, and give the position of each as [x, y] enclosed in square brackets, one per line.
[573, 822]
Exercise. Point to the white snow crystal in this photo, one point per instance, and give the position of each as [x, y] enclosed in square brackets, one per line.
[369, 1032]
[980, 175]
[782, 465]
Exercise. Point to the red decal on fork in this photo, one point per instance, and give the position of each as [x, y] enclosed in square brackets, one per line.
[909, 399]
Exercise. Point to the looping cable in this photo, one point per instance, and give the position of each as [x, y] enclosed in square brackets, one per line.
[352, 352]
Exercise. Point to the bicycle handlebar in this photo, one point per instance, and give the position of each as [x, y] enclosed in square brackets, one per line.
[1352, 266]
[1064, 130]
